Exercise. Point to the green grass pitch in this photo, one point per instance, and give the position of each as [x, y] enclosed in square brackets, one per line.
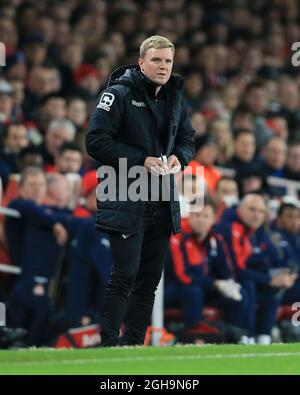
[209, 359]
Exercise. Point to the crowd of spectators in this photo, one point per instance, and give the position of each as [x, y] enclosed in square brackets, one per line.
[242, 93]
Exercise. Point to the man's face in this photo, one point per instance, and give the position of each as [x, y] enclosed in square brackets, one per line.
[31, 159]
[252, 183]
[202, 221]
[243, 121]
[275, 153]
[55, 107]
[77, 112]
[6, 105]
[253, 211]
[207, 154]
[193, 85]
[227, 188]
[55, 138]
[70, 162]
[293, 158]
[34, 188]
[157, 65]
[60, 192]
[244, 146]
[257, 100]
[289, 220]
[16, 139]
[40, 81]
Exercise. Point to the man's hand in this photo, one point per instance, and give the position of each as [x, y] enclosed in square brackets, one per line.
[60, 234]
[174, 164]
[156, 166]
[284, 280]
[229, 288]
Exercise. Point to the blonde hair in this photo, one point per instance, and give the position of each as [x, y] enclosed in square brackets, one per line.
[226, 148]
[156, 42]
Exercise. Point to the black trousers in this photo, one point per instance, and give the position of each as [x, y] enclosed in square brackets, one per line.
[138, 262]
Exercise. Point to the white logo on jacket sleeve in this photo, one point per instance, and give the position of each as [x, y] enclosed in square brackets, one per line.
[106, 100]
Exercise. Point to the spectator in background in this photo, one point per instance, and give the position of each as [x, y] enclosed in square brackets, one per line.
[206, 155]
[46, 29]
[292, 167]
[252, 179]
[58, 132]
[221, 131]
[42, 81]
[18, 87]
[33, 190]
[89, 267]
[288, 99]
[77, 112]
[279, 126]
[6, 104]
[9, 33]
[226, 196]
[71, 57]
[190, 186]
[88, 81]
[274, 156]
[227, 191]
[256, 100]
[213, 107]
[89, 262]
[202, 270]
[29, 156]
[244, 150]
[193, 90]
[16, 66]
[15, 138]
[87, 208]
[199, 123]
[39, 233]
[231, 99]
[287, 227]
[34, 48]
[52, 107]
[58, 192]
[254, 256]
[69, 159]
[242, 118]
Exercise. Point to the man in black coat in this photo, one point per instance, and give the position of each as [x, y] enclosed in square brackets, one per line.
[140, 117]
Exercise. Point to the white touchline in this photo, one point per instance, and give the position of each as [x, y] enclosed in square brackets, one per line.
[153, 358]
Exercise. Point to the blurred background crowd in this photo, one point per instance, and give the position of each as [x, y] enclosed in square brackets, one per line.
[243, 98]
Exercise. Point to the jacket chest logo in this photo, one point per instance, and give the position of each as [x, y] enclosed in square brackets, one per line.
[138, 103]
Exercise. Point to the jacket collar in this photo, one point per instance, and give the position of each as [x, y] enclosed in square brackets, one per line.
[131, 75]
[247, 227]
[188, 232]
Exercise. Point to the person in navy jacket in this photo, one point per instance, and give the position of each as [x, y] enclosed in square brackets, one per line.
[89, 263]
[258, 264]
[89, 267]
[202, 269]
[286, 229]
[34, 240]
